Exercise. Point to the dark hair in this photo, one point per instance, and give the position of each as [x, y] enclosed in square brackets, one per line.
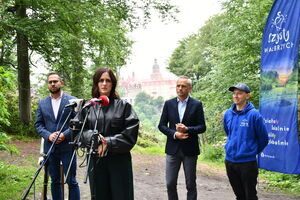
[54, 73]
[96, 78]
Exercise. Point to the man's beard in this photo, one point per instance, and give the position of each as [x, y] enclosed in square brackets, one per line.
[56, 91]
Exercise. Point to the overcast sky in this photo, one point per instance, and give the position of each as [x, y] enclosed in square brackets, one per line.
[159, 40]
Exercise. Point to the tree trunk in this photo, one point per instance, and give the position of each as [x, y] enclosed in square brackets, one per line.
[23, 69]
[76, 82]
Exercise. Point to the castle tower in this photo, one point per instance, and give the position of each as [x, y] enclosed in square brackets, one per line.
[156, 75]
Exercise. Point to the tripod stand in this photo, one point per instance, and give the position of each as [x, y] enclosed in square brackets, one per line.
[46, 157]
[91, 144]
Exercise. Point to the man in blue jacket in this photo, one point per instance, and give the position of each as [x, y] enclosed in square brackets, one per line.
[50, 116]
[246, 137]
[182, 119]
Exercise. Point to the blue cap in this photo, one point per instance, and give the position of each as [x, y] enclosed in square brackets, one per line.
[240, 86]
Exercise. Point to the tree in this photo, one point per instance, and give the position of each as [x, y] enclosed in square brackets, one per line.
[226, 50]
[148, 108]
[6, 80]
[69, 33]
[193, 55]
[23, 65]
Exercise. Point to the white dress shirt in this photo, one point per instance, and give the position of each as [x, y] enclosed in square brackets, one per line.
[181, 108]
[55, 104]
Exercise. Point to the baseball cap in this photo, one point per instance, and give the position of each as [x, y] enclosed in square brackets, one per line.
[240, 86]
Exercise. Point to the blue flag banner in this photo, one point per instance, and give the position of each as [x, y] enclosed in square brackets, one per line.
[279, 88]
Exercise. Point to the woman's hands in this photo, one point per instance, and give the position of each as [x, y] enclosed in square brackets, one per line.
[102, 148]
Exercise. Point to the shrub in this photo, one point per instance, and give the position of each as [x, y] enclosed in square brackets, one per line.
[4, 144]
[149, 136]
[286, 182]
[213, 152]
[15, 127]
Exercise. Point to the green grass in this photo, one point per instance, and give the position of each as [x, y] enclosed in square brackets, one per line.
[154, 150]
[220, 164]
[279, 182]
[23, 138]
[14, 180]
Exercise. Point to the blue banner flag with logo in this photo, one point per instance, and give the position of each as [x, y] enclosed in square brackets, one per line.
[279, 88]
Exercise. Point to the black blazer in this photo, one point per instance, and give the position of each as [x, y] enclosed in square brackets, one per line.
[193, 118]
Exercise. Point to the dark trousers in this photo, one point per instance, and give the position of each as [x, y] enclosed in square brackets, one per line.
[173, 163]
[54, 171]
[243, 179]
[111, 178]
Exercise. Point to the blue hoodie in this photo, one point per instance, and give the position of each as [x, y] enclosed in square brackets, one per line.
[246, 134]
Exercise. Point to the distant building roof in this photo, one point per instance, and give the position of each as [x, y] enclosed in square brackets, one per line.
[156, 85]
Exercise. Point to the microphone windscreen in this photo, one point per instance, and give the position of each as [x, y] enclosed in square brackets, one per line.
[105, 101]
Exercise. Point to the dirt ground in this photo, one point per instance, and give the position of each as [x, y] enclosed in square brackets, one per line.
[149, 182]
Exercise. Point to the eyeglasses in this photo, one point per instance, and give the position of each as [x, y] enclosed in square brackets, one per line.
[50, 82]
[181, 86]
[104, 80]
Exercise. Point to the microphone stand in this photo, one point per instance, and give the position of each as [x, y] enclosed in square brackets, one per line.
[45, 184]
[94, 145]
[76, 144]
[46, 157]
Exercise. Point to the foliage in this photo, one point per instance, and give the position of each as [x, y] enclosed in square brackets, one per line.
[4, 144]
[148, 108]
[14, 180]
[154, 150]
[213, 152]
[286, 182]
[6, 82]
[191, 58]
[226, 50]
[15, 126]
[149, 137]
[69, 35]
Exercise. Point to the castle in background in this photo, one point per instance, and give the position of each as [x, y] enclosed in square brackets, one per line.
[156, 85]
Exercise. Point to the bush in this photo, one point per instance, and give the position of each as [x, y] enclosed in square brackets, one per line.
[150, 140]
[15, 127]
[4, 144]
[149, 136]
[286, 182]
[213, 152]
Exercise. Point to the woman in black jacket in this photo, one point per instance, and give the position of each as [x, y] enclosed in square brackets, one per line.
[110, 173]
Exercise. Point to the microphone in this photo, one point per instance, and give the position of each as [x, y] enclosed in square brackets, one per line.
[76, 104]
[73, 104]
[105, 100]
[102, 100]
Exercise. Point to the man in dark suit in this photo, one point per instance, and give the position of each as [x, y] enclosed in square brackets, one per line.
[50, 116]
[181, 121]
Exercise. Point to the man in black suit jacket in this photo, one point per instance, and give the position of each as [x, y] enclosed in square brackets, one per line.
[181, 121]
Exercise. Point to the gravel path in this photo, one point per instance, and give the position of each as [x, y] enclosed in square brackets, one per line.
[149, 182]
